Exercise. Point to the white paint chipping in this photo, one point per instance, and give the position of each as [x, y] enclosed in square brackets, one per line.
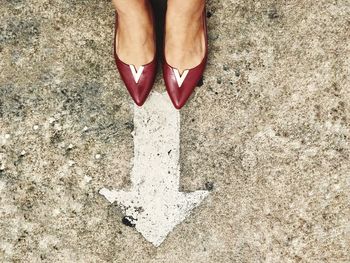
[154, 203]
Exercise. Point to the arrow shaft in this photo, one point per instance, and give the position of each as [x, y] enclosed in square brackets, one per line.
[156, 146]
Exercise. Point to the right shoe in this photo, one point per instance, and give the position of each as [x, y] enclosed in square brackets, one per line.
[138, 82]
[181, 86]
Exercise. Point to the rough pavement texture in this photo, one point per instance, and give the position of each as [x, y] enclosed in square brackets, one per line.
[268, 132]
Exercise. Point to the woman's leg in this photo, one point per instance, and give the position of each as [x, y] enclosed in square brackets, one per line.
[135, 33]
[184, 37]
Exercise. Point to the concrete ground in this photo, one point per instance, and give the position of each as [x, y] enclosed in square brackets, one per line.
[267, 132]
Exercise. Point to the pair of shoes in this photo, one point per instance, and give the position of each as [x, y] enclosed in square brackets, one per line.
[139, 81]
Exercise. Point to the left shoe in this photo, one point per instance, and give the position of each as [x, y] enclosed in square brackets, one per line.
[181, 86]
[138, 82]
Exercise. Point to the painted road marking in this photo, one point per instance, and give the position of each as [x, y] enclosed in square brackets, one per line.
[154, 206]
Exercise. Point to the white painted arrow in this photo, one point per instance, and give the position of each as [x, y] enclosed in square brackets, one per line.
[154, 205]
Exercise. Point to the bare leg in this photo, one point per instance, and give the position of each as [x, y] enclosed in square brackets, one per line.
[135, 34]
[184, 37]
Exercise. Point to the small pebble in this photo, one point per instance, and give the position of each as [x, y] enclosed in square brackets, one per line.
[209, 186]
[35, 127]
[87, 178]
[7, 136]
[98, 156]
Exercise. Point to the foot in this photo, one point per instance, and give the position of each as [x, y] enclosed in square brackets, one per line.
[184, 37]
[135, 40]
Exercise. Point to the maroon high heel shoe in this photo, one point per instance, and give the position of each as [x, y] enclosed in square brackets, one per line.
[180, 86]
[138, 82]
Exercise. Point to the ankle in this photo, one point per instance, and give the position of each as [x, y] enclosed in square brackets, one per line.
[137, 19]
[184, 28]
[131, 8]
[185, 9]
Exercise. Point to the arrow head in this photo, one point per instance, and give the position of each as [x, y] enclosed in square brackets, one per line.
[155, 214]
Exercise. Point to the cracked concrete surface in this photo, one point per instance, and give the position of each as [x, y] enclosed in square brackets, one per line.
[267, 132]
